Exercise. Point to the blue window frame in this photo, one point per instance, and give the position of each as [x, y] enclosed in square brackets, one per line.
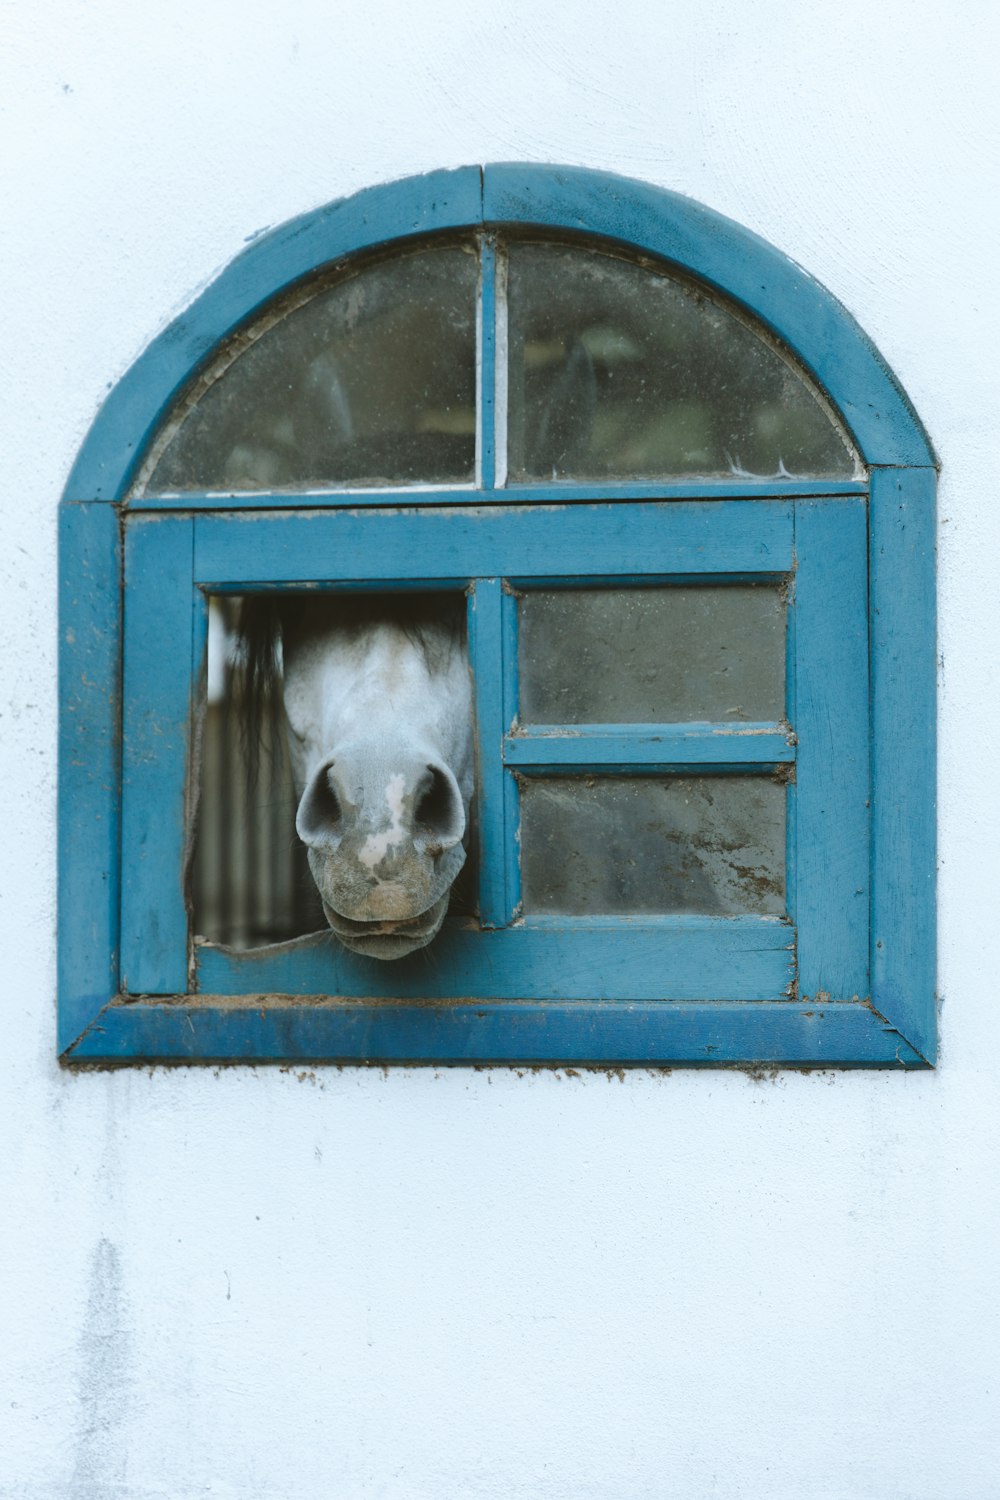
[843, 976]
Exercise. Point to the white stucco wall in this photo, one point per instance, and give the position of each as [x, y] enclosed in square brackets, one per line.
[261, 1284]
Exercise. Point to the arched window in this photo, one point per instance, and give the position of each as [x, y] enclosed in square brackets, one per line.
[679, 517]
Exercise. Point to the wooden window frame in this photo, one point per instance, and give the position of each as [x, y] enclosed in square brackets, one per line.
[847, 980]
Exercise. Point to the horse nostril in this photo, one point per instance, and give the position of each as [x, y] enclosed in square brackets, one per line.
[438, 815]
[320, 813]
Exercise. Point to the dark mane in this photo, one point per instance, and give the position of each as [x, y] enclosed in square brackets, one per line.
[258, 669]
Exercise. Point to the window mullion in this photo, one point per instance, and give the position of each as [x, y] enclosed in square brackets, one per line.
[832, 786]
[486, 416]
[493, 660]
[160, 640]
[610, 749]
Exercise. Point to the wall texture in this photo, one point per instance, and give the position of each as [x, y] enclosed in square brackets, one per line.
[259, 1284]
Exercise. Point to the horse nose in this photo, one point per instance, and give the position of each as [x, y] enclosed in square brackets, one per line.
[421, 807]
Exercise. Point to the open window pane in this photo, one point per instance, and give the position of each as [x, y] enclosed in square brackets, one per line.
[643, 844]
[648, 656]
[617, 370]
[251, 882]
[363, 379]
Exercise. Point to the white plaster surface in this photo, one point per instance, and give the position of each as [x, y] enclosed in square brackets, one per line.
[260, 1285]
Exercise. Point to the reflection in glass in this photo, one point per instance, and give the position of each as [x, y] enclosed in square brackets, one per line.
[365, 379]
[648, 656]
[619, 370]
[646, 844]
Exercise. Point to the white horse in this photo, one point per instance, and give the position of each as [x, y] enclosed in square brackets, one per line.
[378, 703]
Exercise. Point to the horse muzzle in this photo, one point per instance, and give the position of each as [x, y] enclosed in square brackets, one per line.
[388, 937]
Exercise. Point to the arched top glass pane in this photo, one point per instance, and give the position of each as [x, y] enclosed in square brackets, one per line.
[618, 370]
[615, 370]
[364, 378]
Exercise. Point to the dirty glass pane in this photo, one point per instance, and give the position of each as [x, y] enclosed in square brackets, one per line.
[648, 656]
[645, 844]
[363, 379]
[617, 370]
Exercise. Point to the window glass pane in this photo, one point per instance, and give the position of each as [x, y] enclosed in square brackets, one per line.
[645, 844]
[648, 656]
[366, 379]
[618, 370]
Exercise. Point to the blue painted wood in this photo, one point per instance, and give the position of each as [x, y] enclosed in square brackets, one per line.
[341, 499]
[641, 1034]
[644, 542]
[904, 716]
[512, 791]
[485, 429]
[522, 541]
[791, 821]
[519, 586]
[486, 657]
[651, 746]
[804, 314]
[89, 763]
[666, 958]
[157, 711]
[832, 785]
[603, 579]
[806, 317]
[392, 211]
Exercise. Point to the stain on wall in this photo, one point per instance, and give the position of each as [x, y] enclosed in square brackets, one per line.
[103, 1382]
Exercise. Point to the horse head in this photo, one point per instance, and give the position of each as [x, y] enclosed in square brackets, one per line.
[377, 699]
